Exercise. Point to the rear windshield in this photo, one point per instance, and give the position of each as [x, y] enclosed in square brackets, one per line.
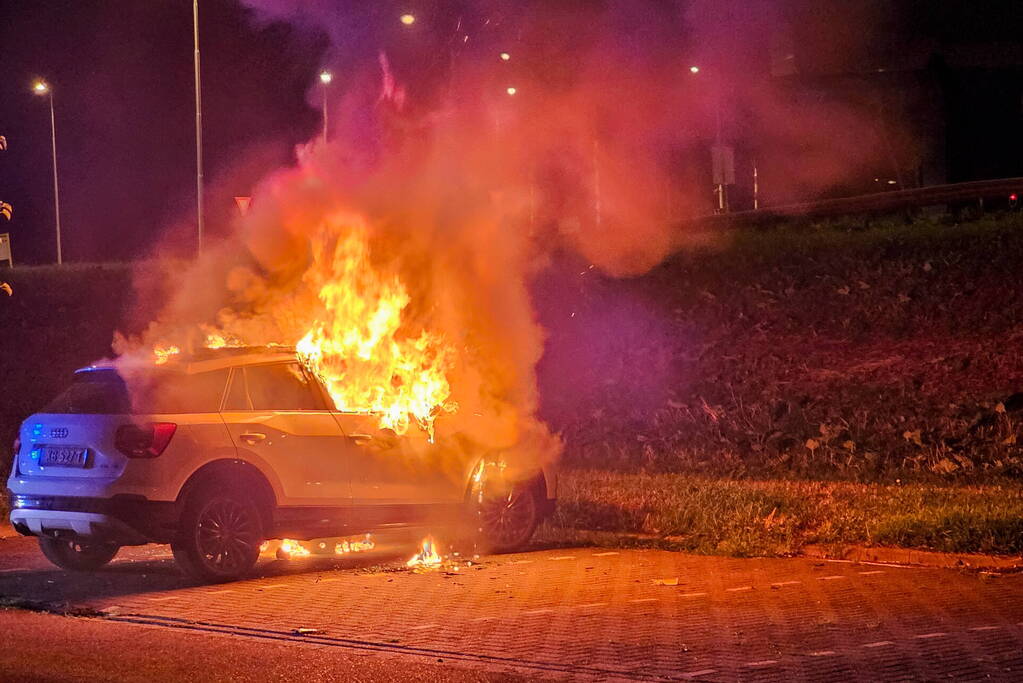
[159, 391]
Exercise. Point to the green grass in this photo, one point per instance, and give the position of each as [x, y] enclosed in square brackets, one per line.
[753, 518]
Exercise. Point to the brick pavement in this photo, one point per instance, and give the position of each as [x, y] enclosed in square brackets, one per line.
[585, 612]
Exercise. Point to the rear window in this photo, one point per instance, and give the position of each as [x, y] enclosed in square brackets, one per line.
[162, 391]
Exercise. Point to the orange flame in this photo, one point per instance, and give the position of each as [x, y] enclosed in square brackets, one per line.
[163, 353]
[344, 547]
[427, 556]
[361, 347]
[293, 548]
[220, 340]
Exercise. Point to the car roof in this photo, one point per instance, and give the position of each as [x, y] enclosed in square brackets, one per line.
[205, 360]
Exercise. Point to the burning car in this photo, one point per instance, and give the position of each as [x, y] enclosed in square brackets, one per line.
[218, 451]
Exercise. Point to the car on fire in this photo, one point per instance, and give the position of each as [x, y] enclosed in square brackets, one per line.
[218, 451]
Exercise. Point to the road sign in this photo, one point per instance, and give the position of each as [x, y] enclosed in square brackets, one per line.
[243, 204]
[723, 164]
[5, 248]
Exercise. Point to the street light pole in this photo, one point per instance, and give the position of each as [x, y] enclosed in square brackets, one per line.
[43, 88]
[198, 127]
[722, 157]
[325, 79]
[56, 187]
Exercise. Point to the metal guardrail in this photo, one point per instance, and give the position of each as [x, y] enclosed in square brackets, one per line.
[879, 202]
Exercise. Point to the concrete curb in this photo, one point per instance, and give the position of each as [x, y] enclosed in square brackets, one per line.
[910, 556]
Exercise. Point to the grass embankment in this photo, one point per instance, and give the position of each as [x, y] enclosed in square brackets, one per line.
[862, 355]
[749, 518]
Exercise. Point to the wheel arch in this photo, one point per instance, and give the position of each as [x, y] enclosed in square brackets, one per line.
[238, 475]
[538, 480]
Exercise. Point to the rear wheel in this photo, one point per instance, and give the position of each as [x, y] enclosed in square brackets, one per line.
[219, 537]
[75, 555]
[507, 515]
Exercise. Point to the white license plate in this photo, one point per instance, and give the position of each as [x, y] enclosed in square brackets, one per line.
[63, 456]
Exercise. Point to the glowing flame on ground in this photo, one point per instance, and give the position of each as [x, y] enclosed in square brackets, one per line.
[344, 547]
[361, 347]
[293, 548]
[427, 556]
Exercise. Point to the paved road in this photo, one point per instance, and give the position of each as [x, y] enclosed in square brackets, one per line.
[43, 647]
[581, 613]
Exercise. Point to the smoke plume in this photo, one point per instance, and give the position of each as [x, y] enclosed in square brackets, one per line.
[458, 170]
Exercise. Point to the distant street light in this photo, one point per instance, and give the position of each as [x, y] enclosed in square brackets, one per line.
[694, 69]
[408, 19]
[511, 90]
[43, 88]
[325, 78]
[505, 56]
[198, 127]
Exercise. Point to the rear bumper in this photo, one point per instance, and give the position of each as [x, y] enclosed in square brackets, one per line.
[124, 520]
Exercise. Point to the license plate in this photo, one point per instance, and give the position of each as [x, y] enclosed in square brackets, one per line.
[63, 456]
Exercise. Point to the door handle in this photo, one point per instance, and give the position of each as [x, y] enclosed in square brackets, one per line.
[252, 438]
[361, 438]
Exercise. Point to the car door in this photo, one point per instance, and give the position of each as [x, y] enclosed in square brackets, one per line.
[276, 413]
[392, 470]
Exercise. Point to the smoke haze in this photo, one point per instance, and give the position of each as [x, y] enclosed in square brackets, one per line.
[459, 174]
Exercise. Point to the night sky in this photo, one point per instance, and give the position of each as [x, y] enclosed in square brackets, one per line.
[122, 76]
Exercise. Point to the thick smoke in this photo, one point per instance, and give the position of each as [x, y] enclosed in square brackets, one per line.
[465, 171]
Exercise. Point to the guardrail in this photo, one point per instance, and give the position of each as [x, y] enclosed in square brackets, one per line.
[880, 202]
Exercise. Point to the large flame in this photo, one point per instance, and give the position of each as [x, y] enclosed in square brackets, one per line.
[360, 345]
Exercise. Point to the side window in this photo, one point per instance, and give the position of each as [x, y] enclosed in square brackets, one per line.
[284, 386]
[237, 392]
[179, 393]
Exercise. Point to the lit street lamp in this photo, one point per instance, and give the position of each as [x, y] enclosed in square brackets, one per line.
[511, 90]
[408, 19]
[505, 56]
[43, 88]
[325, 79]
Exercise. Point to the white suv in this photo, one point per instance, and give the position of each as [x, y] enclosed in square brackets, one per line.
[218, 452]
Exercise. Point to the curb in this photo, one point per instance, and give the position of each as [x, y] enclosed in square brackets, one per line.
[918, 558]
[909, 557]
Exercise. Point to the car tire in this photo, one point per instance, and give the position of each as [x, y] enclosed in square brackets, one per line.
[72, 554]
[219, 535]
[506, 519]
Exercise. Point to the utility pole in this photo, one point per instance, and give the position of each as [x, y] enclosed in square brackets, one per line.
[41, 87]
[198, 128]
[56, 190]
[325, 79]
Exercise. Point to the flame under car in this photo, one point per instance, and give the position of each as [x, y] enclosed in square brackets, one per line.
[217, 452]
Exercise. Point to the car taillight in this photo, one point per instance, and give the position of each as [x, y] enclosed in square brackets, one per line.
[144, 441]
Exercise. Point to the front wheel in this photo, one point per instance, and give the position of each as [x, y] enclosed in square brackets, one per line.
[219, 537]
[507, 516]
[72, 554]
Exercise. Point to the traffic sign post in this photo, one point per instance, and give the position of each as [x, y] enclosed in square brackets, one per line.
[723, 171]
